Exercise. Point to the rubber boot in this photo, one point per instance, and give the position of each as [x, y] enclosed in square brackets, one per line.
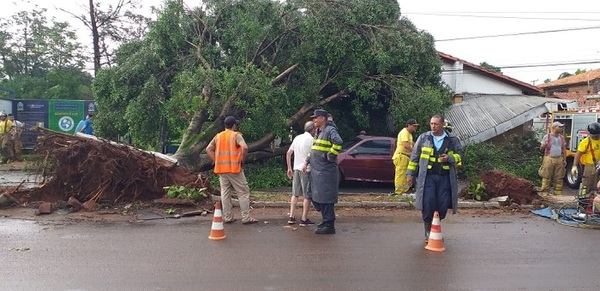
[427, 226]
[558, 186]
[545, 187]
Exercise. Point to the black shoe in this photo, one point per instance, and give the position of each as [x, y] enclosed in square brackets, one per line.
[325, 230]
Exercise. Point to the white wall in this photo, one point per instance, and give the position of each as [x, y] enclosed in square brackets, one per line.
[6, 106]
[470, 81]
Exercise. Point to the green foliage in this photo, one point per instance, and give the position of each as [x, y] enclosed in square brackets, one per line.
[518, 155]
[185, 192]
[477, 190]
[490, 67]
[384, 67]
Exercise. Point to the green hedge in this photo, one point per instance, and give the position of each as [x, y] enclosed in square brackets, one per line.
[519, 155]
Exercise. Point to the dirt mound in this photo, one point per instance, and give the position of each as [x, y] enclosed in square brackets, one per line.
[91, 169]
[498, 183]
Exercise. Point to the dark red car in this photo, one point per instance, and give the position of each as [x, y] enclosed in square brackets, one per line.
[368, 158]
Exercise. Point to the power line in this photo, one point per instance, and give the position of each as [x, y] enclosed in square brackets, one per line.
[504, 17]
[519, 33]
[587, 62]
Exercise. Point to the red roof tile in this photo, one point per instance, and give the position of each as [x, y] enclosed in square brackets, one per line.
[580, 97]
[575, 79]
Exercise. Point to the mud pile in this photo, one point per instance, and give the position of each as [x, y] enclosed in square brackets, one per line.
[499, 183]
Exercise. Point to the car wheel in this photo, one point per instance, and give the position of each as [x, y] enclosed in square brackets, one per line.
[573, 181]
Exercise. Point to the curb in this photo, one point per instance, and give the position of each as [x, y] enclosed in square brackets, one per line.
[377, 204]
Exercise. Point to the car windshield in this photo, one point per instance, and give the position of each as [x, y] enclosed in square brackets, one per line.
[350, 144]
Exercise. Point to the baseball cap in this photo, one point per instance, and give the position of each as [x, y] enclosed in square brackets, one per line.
[230, 121]
[319, 112]
[412, 121]
[556, 123]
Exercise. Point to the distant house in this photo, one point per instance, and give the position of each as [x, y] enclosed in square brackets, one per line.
[489, 105]
[584, 87]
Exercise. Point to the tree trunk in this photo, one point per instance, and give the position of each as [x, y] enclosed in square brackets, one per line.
[95, 37]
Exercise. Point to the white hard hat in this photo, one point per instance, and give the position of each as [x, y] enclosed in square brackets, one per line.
[2, 113]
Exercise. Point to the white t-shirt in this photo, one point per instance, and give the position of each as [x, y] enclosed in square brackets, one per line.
[301, 147]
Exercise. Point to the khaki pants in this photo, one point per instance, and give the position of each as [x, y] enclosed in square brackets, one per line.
[401, 163]
[18, 145]
[553, 169]
[230, 183]
[590, 178]
[7, 147]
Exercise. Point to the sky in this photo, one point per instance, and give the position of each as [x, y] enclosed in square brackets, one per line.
[530, 52]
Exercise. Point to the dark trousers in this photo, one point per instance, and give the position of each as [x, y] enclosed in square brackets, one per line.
[327, 212]
[437, 196]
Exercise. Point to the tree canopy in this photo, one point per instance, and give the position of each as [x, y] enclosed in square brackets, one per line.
[269, 63]
[41, 58]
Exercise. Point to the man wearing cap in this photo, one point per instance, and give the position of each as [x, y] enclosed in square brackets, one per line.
[324, 171]
[404, 147]
[554, 162]
[228, 150]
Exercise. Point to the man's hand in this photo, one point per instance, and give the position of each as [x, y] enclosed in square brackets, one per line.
[290, 173]
[305, 167]
[574, 171]
[409, 181]
[444, 158]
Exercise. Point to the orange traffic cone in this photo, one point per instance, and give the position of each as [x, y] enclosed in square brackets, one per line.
[436, 241]
[217, 232]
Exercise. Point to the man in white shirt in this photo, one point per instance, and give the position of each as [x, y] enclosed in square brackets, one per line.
[300, 148]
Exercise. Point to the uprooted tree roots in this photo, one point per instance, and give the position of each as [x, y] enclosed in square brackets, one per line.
[91, 169]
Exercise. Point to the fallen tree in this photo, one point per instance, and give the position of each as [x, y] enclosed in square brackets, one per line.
[88, 168]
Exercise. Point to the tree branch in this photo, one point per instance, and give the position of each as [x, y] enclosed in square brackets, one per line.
[285, 73]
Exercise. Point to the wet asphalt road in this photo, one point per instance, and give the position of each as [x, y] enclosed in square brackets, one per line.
[509, 252]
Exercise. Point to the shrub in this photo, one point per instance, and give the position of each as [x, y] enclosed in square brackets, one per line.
[519, 155]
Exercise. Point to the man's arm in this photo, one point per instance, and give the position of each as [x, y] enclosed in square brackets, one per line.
[244, 147]
[407, 146]
[544, 142]
[288, 160]
[210, 150]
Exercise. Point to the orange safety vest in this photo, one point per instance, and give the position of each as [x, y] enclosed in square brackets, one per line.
[228, 154]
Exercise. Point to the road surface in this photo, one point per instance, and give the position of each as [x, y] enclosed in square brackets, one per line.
[505, 252]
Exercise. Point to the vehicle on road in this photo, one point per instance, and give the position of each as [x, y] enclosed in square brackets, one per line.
[367, 158]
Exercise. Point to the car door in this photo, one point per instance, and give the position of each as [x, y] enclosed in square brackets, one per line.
[371, 160]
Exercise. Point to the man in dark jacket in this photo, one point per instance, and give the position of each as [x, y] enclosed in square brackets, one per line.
[324, 171]
[434, 158]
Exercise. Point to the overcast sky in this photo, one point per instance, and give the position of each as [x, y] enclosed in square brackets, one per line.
[575, 42]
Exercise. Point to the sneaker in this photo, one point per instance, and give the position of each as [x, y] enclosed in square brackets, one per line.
[306, 222]
[249, 221]
[291, 220]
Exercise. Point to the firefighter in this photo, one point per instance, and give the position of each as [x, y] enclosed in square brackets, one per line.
[324, 170]
[404, 147]
[588, 153]
[554, 162]
[435, 156]
[6, 139]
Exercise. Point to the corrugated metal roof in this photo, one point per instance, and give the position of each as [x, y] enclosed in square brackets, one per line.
[480, 117]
